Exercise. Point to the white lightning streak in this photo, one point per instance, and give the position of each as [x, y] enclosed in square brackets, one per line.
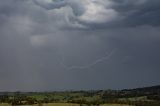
[106, 57]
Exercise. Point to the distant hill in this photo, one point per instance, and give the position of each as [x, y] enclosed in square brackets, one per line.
[151, 88]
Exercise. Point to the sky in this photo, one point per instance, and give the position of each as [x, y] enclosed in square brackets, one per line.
[48, 45]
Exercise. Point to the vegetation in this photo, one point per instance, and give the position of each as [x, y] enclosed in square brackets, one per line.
[149, 96]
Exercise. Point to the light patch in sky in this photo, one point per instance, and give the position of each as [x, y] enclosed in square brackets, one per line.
[98, 14]
[38, 41]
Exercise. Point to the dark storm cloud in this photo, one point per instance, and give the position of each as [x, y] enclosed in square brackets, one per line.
[145, 12]
[107, 13]
[73, 44]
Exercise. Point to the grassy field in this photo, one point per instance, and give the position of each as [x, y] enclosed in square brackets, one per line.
[64, 104]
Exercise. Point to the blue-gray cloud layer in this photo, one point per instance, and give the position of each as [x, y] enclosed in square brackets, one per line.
[73, 44]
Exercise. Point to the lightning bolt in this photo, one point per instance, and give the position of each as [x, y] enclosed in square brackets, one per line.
[76, 67]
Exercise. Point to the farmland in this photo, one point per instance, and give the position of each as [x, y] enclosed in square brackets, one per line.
[149, 96]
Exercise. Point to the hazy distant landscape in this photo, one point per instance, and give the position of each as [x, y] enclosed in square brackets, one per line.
[148, 96]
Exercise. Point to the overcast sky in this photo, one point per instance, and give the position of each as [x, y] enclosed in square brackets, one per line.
[48, 45]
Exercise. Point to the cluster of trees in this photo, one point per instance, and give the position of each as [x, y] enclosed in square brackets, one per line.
[154, 97]
[23, 100]
[127, 102]
[85, 102]
[17, 100]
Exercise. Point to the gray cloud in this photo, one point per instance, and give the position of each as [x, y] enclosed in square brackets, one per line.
[79, 13]
[35, 35]
[106, 13]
